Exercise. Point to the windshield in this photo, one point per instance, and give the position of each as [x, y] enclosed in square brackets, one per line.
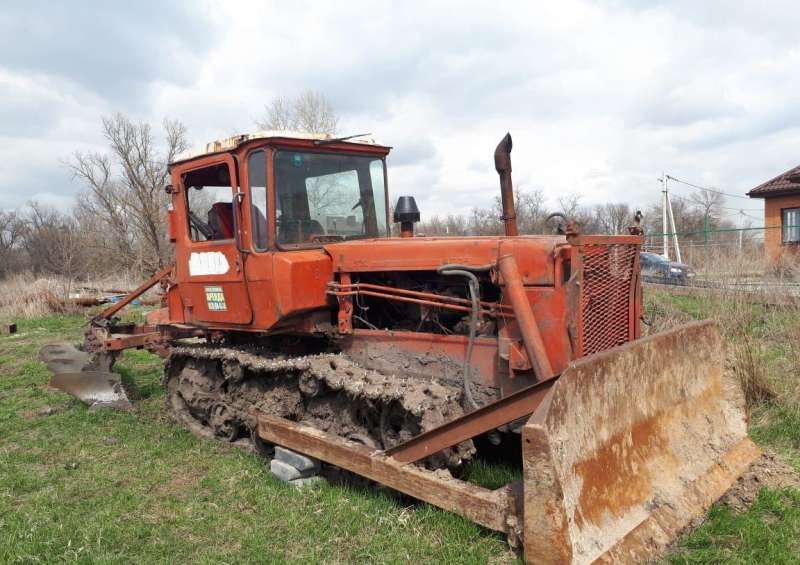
[324, 197]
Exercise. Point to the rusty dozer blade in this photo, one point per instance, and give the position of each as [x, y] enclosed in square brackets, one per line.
[73, 373]
[629, 447]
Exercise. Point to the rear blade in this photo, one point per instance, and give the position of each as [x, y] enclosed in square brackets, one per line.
[98, 389]
[71, 374]
[64, 353]
[630, 446]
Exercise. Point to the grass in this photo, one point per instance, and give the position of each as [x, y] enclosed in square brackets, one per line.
[769, 532]
[134, 487]
[762, 354]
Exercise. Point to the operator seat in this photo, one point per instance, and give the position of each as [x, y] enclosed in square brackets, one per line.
[298, 231]
[220, 219]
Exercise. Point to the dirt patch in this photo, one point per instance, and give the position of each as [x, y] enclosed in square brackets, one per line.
[39, 413]
[766, 471]
[180, 486]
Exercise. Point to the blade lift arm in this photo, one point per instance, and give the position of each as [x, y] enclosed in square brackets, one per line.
[109, 312]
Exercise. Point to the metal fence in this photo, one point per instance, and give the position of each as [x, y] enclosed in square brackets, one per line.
[717, 250]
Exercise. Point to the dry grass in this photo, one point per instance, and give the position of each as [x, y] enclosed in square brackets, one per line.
[24, 296]
[763, 340]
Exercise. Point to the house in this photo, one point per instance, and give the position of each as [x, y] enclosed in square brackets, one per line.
[781, 213]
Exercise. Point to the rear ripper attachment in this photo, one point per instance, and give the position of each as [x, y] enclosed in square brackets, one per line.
[86, 373]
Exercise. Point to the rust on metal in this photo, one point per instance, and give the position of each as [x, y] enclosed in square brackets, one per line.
[426, 298]
[482, 420]
[531, 336]
[492, 509]
[434, 355]
[626, 438]
[502, 164]
[133, 295]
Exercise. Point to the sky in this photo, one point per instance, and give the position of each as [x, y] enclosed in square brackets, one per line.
[601, 98]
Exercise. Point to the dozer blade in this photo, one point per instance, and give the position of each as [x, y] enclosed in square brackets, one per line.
[72, 374]
[629, 447]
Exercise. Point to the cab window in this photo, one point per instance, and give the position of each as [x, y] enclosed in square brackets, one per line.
[257, 180]
[324, 197]
[209, 203]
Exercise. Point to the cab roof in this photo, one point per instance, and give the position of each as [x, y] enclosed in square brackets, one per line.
[231, 143]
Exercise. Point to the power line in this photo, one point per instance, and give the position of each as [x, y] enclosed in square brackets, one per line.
[689, 202]
[707, 188]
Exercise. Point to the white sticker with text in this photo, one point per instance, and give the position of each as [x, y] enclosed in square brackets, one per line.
[208, 263]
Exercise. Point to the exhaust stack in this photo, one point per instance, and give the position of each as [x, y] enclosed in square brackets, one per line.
[502, 163]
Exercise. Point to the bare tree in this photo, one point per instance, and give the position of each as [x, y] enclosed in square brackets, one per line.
[309, 112]
[710, 202]
[569, 204]
[613, 218]
[11, 232]
[531, 211]
[125, 203]
[53, 243]
[484, 221]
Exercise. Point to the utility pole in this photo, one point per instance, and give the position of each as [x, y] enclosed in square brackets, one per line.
[705, 241]
[664, 236]
[741, 230]
[672, 224]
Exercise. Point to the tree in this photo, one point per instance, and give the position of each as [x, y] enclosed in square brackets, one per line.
[125, 205]
[531, 212]
[309, 112]
[613, 218]
[53, 243]
[710, 202]
[11, 232]
[569, 204]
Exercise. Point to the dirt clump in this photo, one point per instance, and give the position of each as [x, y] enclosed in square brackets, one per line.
[766, 471]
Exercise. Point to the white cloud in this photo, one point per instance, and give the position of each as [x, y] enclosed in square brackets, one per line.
[599, 99]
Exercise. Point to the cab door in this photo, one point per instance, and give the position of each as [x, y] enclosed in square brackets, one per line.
[209, 263]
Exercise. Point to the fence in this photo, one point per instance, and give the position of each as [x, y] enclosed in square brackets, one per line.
[719, 252]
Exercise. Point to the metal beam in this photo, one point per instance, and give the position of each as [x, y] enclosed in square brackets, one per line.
[482, 420]
[493, 509]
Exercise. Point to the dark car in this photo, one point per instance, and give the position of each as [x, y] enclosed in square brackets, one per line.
[657, 269]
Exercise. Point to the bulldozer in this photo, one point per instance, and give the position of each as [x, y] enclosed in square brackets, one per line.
[297, 315]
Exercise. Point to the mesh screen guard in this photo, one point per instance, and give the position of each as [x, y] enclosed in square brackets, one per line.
[607, 298]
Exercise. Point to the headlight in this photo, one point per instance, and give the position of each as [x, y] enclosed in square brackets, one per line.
[674, 270]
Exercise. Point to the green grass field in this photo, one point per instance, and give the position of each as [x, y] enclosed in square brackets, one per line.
[133, 487]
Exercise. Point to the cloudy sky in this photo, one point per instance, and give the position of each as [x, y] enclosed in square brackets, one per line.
[600, 97]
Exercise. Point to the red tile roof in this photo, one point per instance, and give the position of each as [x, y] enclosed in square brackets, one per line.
[785, 183]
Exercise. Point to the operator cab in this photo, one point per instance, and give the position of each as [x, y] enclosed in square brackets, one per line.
[321, 190]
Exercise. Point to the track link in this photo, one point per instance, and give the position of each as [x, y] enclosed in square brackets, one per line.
[214, 391]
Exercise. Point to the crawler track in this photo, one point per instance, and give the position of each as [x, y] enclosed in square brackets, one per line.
[214, 391]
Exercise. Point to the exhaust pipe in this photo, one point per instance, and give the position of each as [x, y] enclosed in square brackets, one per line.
[502, 163]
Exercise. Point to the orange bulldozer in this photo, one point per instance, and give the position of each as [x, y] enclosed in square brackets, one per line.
[297, 314]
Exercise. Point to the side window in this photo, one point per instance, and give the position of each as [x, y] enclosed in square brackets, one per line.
[209, 202]
[257, 177]
[376, 174]
[791, 225]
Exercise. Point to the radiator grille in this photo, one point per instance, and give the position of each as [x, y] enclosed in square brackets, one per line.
[606, 299]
